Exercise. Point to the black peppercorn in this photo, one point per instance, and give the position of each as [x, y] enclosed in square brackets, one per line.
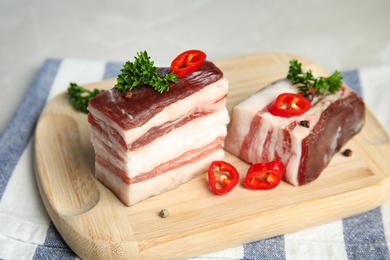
[347, 152]
[305, 123]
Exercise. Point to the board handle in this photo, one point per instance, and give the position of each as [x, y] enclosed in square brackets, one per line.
[88, 216]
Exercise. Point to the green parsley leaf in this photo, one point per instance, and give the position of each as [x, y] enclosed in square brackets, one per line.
[143, 72]
[80, 96]
[306, 80]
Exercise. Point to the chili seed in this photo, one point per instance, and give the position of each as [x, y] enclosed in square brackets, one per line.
[347, 152]
[164, 213]
[305, 123]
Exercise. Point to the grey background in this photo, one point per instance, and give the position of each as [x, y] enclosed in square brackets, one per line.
[337, 34]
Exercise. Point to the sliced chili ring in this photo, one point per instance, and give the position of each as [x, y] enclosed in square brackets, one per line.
[289, 104]
[223, 177]
[187, 62]
[264, 176]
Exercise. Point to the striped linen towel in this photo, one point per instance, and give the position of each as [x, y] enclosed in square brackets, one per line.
[26, 231]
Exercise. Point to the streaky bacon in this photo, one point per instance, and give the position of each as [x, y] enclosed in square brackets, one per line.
[153, 142]
[257, 136]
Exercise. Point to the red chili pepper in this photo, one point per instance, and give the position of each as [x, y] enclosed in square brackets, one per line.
[288, 105]
[223, 177]
[187, 62]
[264, 176]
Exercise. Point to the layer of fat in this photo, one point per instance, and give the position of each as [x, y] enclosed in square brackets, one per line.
[244, 112]
[136, 192]
[168, 147]
[291, 159]
[203, 98]
[195, 134]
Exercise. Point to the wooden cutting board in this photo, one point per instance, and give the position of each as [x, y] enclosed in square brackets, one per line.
[96, 225]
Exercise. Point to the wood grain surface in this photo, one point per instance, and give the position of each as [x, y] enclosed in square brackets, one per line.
[96, 225]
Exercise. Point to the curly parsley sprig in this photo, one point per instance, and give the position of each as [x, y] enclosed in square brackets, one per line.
[80, 96]
[143, 72]
[306, 80]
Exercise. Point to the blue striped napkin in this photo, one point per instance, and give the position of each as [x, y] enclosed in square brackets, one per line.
[26, 231]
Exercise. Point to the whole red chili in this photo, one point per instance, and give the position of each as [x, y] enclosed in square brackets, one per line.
[289, 104]
[187, 62]
[223, 177]
[264, 176]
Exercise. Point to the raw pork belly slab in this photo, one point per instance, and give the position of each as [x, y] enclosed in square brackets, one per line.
[255, 135]
[154, 142]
